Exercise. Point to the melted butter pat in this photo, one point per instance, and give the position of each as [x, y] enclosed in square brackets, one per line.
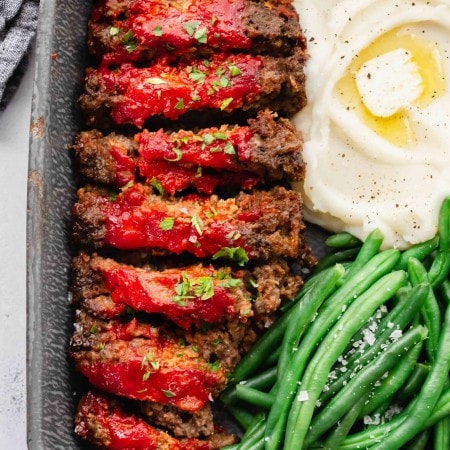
[397, 128]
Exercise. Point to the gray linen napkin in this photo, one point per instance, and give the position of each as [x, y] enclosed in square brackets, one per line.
[18, 22]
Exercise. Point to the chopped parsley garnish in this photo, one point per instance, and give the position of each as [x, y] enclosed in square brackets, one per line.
[157, 186]
[113, 196]
[237, 254]
[221, 136]
[114, 31]
[204, 288]
[146, 361]
[214, 367]
[208, 138]
[128, 185]
[226, 103]
[93, 329]
[146, 375]
[167, 223]
[168, 394]
[233, 235]
[216, 341]
[230, 283]
[178, 155]
[155, 80]
[180, 104]
[129, 41]
[182, 291]
[234, 70]
[223, 82]
[158, 31]
[191, 26]
[229, 149]
[195, 221]
[200, 35]
[197, 75]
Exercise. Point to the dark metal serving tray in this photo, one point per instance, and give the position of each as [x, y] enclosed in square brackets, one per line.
[61, 44]
[51, 384]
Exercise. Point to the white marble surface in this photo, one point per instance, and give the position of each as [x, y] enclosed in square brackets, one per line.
[14, 132]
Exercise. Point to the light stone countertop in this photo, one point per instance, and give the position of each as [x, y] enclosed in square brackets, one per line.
[14, 137]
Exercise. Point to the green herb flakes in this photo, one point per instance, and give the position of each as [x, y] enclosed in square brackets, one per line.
[180, 104]
[168, 394]
[158, 31]
[191, 26]
[226, 103]
[167, 224]
[155, 80]
[237, 254]
[157, 186]
[114, 31]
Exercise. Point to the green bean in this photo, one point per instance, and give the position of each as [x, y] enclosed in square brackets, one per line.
[392, 383]
[272, 360]
[420, 442]
[444, 225]
[231, 447]
[340, 240]
[343, 427]
[439, 269]
[304, 313]
[414, 382]
[397, 319]
[336, 258]
[418, 251]
[430, 310]
[367, 437]
[241, 415]
[363, 380]
[251, 440]
[254, 397]
[368, 250]
[379, 265]
[442, 434]
[316, 373]
[428, 396]
[444, 290]
[254, 429]
[261, 381]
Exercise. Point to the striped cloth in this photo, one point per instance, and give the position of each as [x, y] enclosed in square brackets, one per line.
[18, 22]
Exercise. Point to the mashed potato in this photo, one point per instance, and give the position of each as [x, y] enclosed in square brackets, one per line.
[377, 127]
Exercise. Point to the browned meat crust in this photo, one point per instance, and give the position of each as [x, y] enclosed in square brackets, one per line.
[99, 157]
[270, 27]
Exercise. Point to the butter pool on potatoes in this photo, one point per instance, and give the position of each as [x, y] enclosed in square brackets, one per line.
[377, 126]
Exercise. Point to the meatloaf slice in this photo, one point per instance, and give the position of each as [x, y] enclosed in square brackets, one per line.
[190, 295]
[219, 85]
[268, 148]
[104, 422]
[261, 225]
[143, 30]
[108, 288]
[144, 362]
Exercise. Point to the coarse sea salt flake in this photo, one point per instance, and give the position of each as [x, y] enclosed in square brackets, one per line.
[303, 396]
